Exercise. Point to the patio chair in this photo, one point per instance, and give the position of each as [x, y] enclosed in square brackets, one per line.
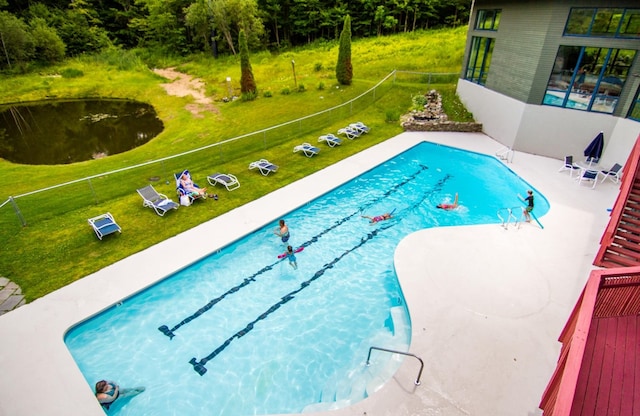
[330, 139]
[350, 132]
[613, 174]
[307, 149]
[159, 202]
[104, 225]
[185, 193]
[360, 126]
[588, 175]
[569, 165]
[227, 180]
[264, 166]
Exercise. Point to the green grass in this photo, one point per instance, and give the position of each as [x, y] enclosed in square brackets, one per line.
[57, 246]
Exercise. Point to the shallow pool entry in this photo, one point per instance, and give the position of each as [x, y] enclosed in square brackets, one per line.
[60, 132]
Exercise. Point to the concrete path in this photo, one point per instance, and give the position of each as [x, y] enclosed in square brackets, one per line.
[10, 296]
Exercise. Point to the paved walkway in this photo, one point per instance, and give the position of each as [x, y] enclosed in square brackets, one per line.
[10, 296]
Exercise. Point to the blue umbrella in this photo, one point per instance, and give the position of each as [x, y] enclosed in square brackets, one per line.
[594, 150]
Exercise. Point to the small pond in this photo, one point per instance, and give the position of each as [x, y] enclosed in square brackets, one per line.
[59, 132]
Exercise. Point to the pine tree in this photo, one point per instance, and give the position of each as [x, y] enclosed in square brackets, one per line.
[247, 83]
[344, 70]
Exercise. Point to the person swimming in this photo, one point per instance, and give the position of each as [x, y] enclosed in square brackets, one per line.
[108, 392]
[449, 206]
[378, 218]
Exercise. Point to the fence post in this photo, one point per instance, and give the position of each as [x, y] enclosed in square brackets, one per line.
[18, 213]
[95, 197]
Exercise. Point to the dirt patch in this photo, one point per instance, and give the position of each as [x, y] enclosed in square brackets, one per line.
[182, 85]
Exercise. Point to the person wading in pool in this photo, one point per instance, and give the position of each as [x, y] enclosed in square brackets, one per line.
[283, 233]
[108, 392]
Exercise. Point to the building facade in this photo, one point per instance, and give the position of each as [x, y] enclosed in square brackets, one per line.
[545, 77]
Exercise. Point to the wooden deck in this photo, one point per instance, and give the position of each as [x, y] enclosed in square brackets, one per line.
[607, 380]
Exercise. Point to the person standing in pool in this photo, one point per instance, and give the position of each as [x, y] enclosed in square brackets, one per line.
[529, 201]
[292, 258]
[108, 392]
[283, 232]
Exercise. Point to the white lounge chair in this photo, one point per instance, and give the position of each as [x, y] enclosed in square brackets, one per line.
[104, 225]
[350, 132]
[360, 126]
[159, 202]
[307, 149]
[330, 139]
[264, 166]
[227, 180]
[587, 175]
[614, 173]
[569, 165]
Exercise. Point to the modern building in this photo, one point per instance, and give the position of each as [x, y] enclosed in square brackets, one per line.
[545, 77]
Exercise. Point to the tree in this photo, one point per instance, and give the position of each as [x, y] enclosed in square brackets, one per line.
[247, 83]
[344, 69]
[49, 48]
[15, 40]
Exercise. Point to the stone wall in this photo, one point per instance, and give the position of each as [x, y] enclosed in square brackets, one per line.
[432, 118]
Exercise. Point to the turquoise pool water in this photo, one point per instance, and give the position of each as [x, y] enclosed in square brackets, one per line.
[243, 333]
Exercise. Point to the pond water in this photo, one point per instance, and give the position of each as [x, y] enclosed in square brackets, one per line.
[60, 132]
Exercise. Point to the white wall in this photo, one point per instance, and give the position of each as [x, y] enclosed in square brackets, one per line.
[545, 130]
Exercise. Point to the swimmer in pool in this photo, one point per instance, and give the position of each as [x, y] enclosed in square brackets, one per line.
[108, 392]
[283, 233]
[378, 218]
[292, 258]
[449, 207]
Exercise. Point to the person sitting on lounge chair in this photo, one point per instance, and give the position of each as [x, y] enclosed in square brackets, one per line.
[188, 185]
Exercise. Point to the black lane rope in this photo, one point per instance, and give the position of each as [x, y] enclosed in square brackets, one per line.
[199, 365]
[170, 332]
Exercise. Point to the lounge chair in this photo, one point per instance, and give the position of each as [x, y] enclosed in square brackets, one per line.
[104, 225]
[588, 175]
[613, 173]
[182, 192]
[264, 166]
[360, 126]
[159, 202]
[225, 179]
[330, 139]
[307, 149]
[569, 165]
[350, 132]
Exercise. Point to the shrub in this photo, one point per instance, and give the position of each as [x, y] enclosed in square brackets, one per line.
[321, 86]
[285, 91]
[392, 116]
[267, 94]
[318, 66]
[249, 95]
[418, 102]
[301, 88]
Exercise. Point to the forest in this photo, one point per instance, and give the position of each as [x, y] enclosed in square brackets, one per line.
[41, 33]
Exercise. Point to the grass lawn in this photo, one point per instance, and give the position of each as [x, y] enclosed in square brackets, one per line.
[58, 247]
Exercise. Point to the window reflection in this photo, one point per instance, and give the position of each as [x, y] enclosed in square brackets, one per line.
[603, 22]
[588, 79]
[488, 19]
[479, 60]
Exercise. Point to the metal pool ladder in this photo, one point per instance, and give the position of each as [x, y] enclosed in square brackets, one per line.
[506, 217]
[505, 153]
[417, 382]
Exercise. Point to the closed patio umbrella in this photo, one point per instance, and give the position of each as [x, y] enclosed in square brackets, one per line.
[593, 152]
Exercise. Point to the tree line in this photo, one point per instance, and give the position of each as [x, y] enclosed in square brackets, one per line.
[47, 31]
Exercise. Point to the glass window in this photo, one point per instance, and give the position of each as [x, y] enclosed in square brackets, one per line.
[479, 59]
[488, 19]
[588, 79]
[634, 112]
[603, 22]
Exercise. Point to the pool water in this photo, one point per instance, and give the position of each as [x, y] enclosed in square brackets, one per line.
[243, 333]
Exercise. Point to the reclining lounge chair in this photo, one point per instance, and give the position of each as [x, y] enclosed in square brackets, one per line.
[331, 139]
[225, 179]
[360, 126]
[350, 132]
[264, 166]
[159, 202]
[307, 149]
[614, 173]
[181, 191]
[104, 225]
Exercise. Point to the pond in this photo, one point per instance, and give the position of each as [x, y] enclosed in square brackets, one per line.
[60, 132]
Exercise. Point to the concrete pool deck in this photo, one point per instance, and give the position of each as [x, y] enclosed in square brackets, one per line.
[486, 304]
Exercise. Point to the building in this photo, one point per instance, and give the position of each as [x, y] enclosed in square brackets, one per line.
[544, 77]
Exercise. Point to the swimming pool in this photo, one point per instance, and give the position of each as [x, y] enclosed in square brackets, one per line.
[277, 340]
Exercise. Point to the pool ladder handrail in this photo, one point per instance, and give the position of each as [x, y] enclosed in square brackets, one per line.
[509, 217]
[417, 382]
[505, 153]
